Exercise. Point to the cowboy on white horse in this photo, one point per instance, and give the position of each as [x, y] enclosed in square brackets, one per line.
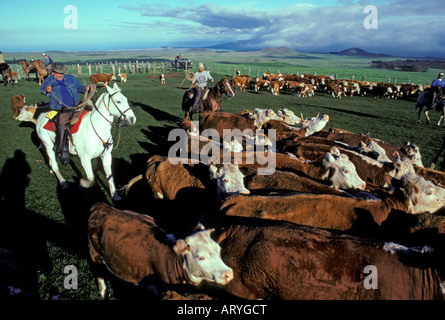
[63, 91]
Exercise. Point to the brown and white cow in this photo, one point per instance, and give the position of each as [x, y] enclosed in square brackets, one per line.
[339, 213]
[28, 114]
[17, 103]
[133, 248]
[162, 78]
[123, 77]
[278, 260]
[239, 82]
[105, 79]
[166, 180]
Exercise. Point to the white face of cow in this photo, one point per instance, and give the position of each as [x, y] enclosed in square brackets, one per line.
[202, 259]
[413, 152]
[261, 116]
[423, 195]
[402, 167]
[229, 180]
[374, 147]
[316, 124]
[27, 114]
[341, 171]
[288, 116]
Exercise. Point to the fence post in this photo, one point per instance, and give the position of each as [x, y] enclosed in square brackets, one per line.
[89, 69]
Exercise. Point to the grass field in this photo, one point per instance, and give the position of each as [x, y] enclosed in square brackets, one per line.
[45, 226]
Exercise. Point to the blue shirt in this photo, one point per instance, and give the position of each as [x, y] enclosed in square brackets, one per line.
[438, 83]
[67, 96]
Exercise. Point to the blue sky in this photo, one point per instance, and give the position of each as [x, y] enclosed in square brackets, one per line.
[405, 27]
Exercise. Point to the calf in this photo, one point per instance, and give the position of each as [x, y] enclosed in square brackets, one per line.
[17, 103]
[162, 78]
[339, 213]
[239, 81]
[279, 260]
[28, 113]
[123, 77]
[260, 84]
[112, 232]
[105, 79]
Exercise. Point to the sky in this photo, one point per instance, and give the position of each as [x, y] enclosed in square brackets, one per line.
[407, 28]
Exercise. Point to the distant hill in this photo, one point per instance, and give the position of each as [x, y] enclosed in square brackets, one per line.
[359, 52]
[278, 51]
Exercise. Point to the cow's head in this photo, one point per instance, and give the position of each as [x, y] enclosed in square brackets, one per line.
[413, 153]
[315, 124]
[202, 259]
[422, 195]
[288, 116]
[261, 116]
[374, 150]
[341, 171]
[229, 180]
[27, 114]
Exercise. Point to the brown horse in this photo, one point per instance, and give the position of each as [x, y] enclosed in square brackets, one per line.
[211, 101]
[36, 67]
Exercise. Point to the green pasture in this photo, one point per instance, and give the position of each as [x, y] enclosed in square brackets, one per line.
[45, 226]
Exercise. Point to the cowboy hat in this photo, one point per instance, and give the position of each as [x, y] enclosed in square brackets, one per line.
[58, 67]
[201, 65]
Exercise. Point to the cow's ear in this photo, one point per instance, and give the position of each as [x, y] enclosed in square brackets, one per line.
[181, 246]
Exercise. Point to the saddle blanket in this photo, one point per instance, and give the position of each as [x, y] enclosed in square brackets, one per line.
[51, 124]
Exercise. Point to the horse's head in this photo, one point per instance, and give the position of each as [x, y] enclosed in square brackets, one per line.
[118, 106]
[225, 87]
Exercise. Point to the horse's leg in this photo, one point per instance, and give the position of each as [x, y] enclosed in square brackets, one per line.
[440, 119]
[427, 117]
[53, 164]
[86, 164]
[106, 162]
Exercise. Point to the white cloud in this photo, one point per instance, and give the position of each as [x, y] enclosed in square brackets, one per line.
[405, 27]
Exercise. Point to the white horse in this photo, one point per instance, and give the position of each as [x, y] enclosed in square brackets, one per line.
[93, 139]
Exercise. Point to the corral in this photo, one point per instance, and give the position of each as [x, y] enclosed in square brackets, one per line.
[46, 225]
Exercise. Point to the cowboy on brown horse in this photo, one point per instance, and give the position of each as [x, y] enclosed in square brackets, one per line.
[200, 81]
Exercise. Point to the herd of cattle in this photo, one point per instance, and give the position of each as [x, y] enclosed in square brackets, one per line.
[306, 85]
[333, 204]
[326, 205]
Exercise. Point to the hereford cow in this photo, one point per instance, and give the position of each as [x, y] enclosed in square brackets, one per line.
[28, 113]
[166, 179]
[162, 78]
[339, 213]
[241, 82]
[105, 79]
[153, 255]
[279, 260]
[17, 103]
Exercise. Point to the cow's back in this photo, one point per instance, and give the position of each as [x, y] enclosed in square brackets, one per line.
[284, 261]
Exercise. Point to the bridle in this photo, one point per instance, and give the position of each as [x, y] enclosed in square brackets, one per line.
[119, 124]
